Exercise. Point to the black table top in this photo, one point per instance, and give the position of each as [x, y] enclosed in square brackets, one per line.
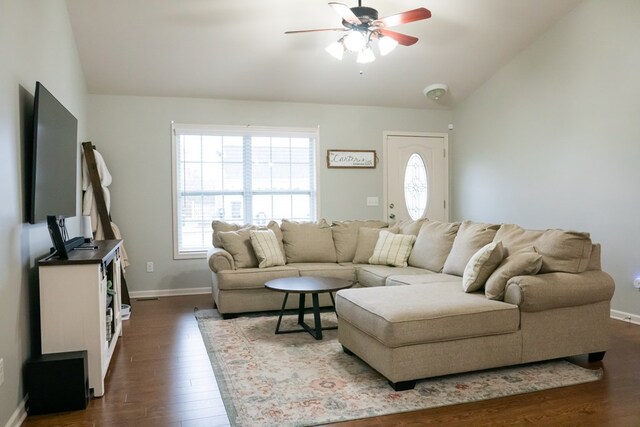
[308, 284]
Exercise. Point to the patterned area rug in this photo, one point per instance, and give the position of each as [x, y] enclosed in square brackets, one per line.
[294, 380]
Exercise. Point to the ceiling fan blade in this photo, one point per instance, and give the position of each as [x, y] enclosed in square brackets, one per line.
[346, 13]
[402, 39]
[314, 31]
[403, 18]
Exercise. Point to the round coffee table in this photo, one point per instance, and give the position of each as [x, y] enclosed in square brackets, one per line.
[307, 285]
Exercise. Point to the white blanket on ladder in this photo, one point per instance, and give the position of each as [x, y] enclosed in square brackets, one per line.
[89, 207]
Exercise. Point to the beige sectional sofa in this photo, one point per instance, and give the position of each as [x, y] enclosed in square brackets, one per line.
[471, 296]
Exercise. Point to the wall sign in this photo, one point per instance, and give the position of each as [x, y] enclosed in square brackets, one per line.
[351, 159]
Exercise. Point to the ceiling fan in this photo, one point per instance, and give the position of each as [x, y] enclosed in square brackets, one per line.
[363, 26]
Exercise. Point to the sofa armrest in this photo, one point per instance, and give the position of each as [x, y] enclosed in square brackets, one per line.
[220, 260]
[557, 290]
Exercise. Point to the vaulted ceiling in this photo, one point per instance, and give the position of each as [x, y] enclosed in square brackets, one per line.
[237, 49]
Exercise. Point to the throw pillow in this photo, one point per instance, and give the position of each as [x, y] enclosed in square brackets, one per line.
[433, 245]
[345, 236]
[392, 249]
[267, 248]
[470, 238]
[273, 226]
[308, 241]
[480, 266]
[367, 239]
[521, 263]
[238, 244]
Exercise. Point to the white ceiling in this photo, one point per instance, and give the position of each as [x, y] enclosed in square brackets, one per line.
[237, 49]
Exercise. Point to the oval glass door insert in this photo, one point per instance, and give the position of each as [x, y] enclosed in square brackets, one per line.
[415, 186]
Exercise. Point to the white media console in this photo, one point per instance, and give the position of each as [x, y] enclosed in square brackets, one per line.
[73, 305]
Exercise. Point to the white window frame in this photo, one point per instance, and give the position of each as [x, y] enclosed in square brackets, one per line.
[231, 131]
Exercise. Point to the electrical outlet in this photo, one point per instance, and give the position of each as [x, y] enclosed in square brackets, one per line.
[149, 266]
[1, 372]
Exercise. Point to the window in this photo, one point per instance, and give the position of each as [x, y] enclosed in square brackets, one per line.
[239, 175]
[415, 186]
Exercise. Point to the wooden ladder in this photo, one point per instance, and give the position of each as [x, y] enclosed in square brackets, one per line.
[101, 205]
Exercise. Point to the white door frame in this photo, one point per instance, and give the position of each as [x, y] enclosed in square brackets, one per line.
[385, 172]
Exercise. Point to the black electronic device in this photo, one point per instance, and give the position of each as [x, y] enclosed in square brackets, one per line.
[57, 382]
[62, 247]
[56, 237]
[54, 157]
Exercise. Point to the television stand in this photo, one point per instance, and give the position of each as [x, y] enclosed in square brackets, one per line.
[74, 306]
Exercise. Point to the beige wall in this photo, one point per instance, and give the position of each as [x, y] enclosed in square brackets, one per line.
[553, 139]
[36, 43]
[133, 135]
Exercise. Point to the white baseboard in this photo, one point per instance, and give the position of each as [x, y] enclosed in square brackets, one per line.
[625, 317]
[169, 292]
[19, 415]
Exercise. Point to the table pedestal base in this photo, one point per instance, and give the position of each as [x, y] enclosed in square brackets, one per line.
[316, 331]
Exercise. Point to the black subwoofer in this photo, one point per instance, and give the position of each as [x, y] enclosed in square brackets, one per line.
[57, 382]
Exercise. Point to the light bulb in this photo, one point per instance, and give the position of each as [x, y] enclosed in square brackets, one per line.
[336, 49]
[386, 45]
[355, 41]
[365, 56]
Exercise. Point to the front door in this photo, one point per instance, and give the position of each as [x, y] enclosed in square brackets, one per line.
[416, 176]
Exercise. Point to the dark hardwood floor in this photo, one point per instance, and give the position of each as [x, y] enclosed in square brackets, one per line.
[160, 376]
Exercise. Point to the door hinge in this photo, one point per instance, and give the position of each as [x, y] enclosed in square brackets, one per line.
[445, 204]
[444, 152]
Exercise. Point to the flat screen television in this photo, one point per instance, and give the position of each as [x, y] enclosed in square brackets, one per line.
[54, 159]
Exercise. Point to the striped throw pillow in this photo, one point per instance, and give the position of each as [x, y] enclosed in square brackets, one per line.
[392, 249]
[267, 249]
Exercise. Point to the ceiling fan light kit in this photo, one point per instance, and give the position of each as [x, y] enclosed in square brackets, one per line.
[386, 45]
[435, 91]
[363, 26]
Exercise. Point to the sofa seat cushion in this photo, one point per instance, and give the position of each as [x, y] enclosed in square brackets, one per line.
[376, 275]
[325, 269]
[422, 279]
[252, 278]
[424, 314]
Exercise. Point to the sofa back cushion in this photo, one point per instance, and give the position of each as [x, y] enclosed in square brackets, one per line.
[408, 226]
[515, 238]
[392, 249]
[433, 245]
[345, 236]
[222, 226]
[238, 244]
[564, 251]
[308, 241]
[367, 239]
[470, 238]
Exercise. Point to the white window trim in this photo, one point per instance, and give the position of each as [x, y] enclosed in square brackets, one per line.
[230, 130]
